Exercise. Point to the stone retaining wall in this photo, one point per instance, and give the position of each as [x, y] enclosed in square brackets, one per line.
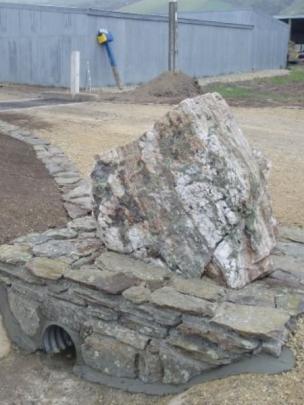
[135, 325]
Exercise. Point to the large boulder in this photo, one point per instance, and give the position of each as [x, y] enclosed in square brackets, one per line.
[190, 194]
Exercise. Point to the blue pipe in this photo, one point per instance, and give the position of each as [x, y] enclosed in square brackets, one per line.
[110, 54]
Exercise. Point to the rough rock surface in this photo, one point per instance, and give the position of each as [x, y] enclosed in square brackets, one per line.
[190, 194]
[138, 321]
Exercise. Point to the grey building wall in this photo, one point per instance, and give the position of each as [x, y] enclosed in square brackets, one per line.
[36, 42]
[269, 40]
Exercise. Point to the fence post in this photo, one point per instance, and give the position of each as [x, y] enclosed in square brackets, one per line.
[172, 35]
[75, 73]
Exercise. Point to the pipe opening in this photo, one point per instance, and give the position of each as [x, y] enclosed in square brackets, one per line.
[59, 344]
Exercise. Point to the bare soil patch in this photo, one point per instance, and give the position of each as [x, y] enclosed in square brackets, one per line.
[25, 121]
[29, 198]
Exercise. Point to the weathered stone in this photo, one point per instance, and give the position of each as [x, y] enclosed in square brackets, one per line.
[289, 264]
[257, 294]
[272, 347]
[109, 356]
[178, 368]
[85, 261]
[64, 233]
[14, 254]
[91, 276]
[150, 367]
[264, 322]
[170, 298]
[38, 238]
[106, 314]
[70, 315]
[164, 316]
[83, 190]
[85, 203]
[205, 288]
[84, 224]
[25, 312]
[118, 332]
[292, 234]
[288, 272]
[75, 211]
[191, 193]
[291, 249]
[63, 181]
[98, 298]
[137, 294]
[201, 350]
[56, 248]
[31, 239]
[144, 326]
[153, 276]
[292, 303]
[225, 339]
[50, 269]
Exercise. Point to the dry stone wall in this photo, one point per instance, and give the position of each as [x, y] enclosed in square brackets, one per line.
[137, 326]
[138, 322]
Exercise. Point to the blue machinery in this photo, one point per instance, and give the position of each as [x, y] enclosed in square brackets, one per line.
[104, 38]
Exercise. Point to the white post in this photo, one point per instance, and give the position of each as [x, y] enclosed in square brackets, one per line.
[75, 72]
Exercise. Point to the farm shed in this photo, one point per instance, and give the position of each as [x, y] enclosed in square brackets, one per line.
[36, 43]
[296, 26]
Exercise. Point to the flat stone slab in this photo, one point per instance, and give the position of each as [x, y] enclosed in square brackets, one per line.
[293, 234]
[120, 333]
[112, 283]
[170, 298]
[206, 288]
[84, 224]
[118, 263]
[14, 254]
[249, 320]
[138, 295]
[46, 268]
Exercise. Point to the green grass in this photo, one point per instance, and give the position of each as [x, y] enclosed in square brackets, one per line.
[296, 76]
[280, 90]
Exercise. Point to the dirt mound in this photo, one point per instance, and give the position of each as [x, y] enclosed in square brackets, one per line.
[167, 88]
[169, 84]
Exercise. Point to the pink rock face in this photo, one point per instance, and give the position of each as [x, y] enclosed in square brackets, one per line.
[189, 194]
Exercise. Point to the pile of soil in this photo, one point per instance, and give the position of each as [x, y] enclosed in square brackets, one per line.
[167, 88]
[169, 85]
[29, 198]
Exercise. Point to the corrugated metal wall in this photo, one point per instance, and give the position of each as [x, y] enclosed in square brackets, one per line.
[36, 42]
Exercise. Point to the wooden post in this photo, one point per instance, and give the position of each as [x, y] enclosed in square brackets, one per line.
[75, 73]
[172, 35]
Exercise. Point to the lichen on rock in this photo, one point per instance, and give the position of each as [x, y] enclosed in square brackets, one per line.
[190, 194]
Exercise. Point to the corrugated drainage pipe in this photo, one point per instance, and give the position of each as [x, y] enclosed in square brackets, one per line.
[57, 340]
